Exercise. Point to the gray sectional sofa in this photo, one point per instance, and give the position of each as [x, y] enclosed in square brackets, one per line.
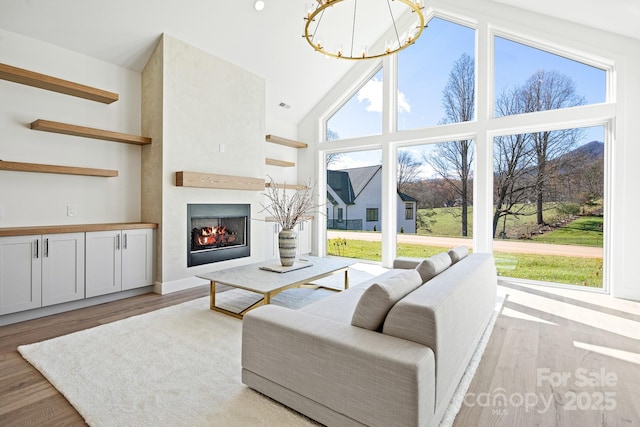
[388, 352]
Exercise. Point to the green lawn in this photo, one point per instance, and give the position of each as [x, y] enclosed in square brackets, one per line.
[584, 231]
[548, 268]
[447, 222]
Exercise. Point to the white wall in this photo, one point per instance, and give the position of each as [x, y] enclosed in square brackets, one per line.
[622, 112]
[30, 199]
[206, 102]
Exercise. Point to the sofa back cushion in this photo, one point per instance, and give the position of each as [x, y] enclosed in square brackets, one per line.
[458, 253]
[434, 265]
[377, 300]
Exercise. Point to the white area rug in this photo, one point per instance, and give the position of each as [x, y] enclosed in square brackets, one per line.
[178, 366]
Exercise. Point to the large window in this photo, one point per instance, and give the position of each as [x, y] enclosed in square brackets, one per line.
[361, 115]
[439, 177]
[529, 80]
[540, 188]
[548, 215]
[436, 77]
[354, 199]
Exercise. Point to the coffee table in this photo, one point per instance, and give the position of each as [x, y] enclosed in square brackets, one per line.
[269, 283]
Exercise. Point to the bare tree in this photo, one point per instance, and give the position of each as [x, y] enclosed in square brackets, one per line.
[513, 164]
[332, 158]
[408, 169]
[513, 180]
[453, 160]
[549, 90]
[332, 135]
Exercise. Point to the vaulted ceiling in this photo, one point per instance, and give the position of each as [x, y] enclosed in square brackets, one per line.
[268, 43]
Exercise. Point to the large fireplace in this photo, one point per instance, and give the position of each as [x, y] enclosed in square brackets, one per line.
[217, 232]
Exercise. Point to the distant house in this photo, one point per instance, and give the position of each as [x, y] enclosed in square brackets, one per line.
[354, 201]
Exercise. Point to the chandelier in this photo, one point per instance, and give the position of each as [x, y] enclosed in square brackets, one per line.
[365, 29]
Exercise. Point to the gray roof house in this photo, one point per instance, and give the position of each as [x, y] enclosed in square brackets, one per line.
[354, 201]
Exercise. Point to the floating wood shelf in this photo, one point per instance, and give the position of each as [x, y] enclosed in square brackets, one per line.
[225, 182]
[281, 163]
[73, 228]
[67, 129]
[65, 170]
[43, 81]
[287, 186]
[284, 141]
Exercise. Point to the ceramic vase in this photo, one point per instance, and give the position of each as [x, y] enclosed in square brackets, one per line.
[288, 244]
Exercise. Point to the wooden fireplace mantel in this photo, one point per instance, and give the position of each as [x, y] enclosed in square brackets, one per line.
[224, 182]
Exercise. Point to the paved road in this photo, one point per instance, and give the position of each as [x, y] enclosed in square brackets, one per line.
[509, 246]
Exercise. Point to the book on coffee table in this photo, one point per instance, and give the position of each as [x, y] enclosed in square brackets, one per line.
[297, 265]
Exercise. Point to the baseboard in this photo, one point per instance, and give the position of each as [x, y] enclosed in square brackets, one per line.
[36, 313]
[164, 288]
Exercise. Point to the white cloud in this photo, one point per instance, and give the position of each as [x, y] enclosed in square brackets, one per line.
[403, 103]
[372, 93]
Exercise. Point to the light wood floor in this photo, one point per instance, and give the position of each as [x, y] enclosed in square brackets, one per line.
[541, 335]
[558, 357]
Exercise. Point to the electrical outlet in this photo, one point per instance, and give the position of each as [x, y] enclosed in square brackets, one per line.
[72, 210]
[221, 148]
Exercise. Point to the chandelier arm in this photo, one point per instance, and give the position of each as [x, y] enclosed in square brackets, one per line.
[353, 26]
[315, 31]
[395, 28]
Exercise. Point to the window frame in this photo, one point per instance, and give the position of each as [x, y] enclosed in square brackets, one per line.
[486, 126]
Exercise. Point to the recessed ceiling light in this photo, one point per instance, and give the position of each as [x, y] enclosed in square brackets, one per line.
[258, 4]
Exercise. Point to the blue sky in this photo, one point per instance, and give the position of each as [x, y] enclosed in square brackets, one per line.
[423, 71]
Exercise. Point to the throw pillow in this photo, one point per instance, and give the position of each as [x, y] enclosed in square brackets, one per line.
[434, 265]
[458, 253]
[377, 300]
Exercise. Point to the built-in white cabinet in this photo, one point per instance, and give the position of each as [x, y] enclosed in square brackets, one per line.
[62, 268]
[40, 270]
[303, 230]
[137, 258]
[118, 260]
[271, 240]
[304, 237]
[20, 273]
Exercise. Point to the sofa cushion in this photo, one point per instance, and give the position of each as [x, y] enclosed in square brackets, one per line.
[434, 265]
[458, 253]
[377, 300]
[406, 263]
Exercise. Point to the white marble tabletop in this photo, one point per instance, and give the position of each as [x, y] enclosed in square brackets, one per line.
[252, 278]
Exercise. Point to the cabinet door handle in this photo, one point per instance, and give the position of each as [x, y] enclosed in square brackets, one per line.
[124, 243]
[37, 248]
[46, 248]
[117, 242]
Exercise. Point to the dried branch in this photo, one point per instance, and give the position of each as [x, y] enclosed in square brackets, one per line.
[288, 210]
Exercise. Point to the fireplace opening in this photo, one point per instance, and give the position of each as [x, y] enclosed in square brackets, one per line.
[217, 232]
